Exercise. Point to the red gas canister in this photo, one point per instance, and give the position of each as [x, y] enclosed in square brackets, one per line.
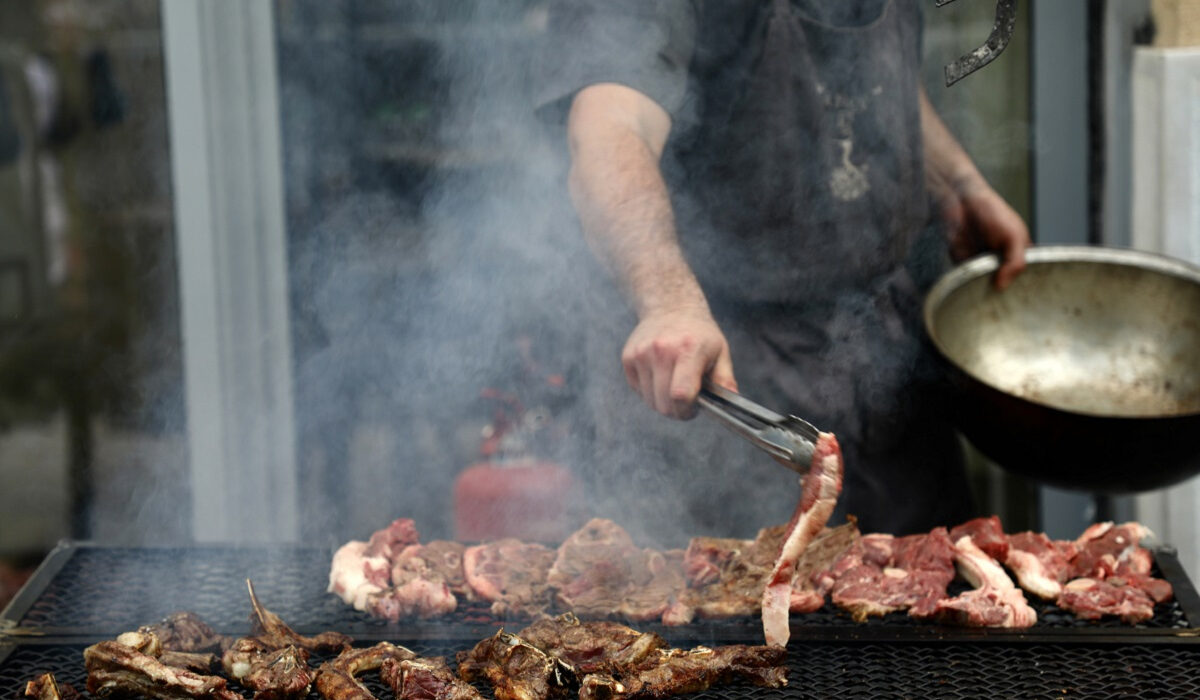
[528, 499]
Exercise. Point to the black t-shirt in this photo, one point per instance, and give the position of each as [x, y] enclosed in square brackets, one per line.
[794, 162]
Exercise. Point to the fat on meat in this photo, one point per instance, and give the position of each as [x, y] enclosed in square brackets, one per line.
[994, 602]
[987, 534]
[822, 485]
[1041, 565]
[1106, 549]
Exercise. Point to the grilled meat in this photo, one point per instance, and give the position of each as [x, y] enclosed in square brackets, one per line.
[45, 687]
[439, 560]
[115, 669]
[669, 672]
[270, 629]
[185, 631]
[593, 646]
[283, 674]
[336, 677]
[511, 575]
[517, 670]
[425, 679]
[148, 642]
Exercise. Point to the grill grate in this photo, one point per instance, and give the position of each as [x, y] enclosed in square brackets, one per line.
[830, 671]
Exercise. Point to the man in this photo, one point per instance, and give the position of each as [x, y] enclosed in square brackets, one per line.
[756, 175]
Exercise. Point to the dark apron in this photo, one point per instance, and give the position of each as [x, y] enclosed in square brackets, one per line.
[802, 233]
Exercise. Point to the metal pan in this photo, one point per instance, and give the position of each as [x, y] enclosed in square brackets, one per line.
[1085, 373]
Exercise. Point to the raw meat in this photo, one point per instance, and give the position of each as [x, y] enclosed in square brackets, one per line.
[822, 485]
[511, 575]
[912, 577]
[995, 601]
[987, 534]
[1041, 565]
[1091, 599]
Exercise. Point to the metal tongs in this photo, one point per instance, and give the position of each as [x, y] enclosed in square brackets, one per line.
[790, 440]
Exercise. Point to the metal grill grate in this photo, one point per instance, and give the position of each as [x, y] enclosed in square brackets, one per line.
[101, 591]
[830, 671]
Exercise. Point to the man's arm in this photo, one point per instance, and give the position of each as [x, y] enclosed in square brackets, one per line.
[979, 219]
[616, 138]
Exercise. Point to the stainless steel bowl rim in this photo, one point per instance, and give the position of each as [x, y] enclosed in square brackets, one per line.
[988, 263]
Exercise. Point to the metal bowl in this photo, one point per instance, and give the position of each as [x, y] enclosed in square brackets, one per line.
[1083, 374]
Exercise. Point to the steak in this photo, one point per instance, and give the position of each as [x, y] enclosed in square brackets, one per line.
[511, 575]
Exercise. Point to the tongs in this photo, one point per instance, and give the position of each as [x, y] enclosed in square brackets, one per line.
[790, 440]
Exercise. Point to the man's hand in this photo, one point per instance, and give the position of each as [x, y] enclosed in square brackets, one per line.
[980, 220]
[669, 354]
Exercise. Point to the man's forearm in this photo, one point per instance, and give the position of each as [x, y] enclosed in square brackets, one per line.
[625, 209]
[948, 168]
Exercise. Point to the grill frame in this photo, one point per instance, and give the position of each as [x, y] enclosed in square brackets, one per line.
[829, 657]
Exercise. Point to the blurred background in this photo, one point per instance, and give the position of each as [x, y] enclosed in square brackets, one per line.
[283, 270]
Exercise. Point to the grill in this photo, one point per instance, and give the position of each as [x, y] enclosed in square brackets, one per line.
[82, 594]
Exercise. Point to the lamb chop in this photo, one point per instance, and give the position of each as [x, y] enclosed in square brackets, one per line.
[593, 646]
[668, 672]
[45, 687]
[148, 642]
[273, 660]
[115, 669]
[336, 677]
[822, 485]
[511, 575]
[425, 679]
[994, 602]
[517, 670]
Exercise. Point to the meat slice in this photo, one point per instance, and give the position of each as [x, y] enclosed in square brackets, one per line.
[987, 534]
[592, 569]
[822, 485]
[670, 672]
[995, 600]
[511, 575]
[1040, 564]
[336, 679]
[913, 576]
[114, 669]
[1092, 599]
[425, 679]
[1106, 549]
